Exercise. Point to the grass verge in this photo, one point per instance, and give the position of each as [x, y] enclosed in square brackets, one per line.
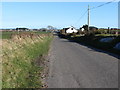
[19, 56]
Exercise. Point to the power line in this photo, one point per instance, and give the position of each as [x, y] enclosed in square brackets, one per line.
[81, 16]
[102, 4]
[94, 8]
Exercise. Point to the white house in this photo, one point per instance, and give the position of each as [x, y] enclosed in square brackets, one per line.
[70, 30]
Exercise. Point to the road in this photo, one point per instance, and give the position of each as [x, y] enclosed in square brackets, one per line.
[76, 66]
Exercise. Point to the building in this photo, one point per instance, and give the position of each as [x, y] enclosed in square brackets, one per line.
[22, 29]
[91, 28]
[69, 30]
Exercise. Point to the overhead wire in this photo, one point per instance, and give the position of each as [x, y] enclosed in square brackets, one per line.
[81, 16]
[102, 4]
[93, 8]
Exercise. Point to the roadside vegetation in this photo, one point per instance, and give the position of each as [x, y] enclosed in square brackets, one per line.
[23, 59]
[93, 39]
[95, 42]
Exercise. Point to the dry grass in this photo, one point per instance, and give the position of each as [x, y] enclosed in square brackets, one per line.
[18, 60]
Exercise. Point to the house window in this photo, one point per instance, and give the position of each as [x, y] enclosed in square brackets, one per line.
[71, 28]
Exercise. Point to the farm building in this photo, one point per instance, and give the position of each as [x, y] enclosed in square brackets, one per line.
[91, 28]
[84, 29]
[69, 30]
[22, 29]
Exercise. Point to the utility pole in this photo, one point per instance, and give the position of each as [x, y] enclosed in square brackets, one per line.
[88, 19]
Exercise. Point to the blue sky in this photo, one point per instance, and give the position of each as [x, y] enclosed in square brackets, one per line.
[119, 15]
[57, 14]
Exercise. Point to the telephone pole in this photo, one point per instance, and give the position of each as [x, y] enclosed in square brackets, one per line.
[88, 18]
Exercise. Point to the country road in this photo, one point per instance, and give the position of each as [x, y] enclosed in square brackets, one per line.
[76, 66]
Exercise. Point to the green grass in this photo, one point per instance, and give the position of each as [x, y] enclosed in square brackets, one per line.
[7, 34]
[20, 62]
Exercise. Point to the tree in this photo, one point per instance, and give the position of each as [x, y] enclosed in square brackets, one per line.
[51, 28]
[43, 29]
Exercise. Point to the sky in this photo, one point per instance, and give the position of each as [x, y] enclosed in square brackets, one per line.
[119, 15]
[58, 14]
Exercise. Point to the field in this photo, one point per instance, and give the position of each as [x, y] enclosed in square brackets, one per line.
[8, 34]
[23, 58]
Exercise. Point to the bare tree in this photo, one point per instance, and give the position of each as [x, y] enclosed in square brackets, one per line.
[51, 28]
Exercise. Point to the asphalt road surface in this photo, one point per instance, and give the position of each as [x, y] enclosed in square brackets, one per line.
[76, 66]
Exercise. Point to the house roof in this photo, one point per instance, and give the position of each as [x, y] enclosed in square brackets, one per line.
[92, 27]
[69, 27]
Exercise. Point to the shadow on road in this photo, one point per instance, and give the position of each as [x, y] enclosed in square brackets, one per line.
[92, 49]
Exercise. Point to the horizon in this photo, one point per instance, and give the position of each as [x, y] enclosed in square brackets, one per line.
[62, 28]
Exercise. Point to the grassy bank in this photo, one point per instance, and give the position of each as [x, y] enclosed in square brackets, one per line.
[21, 59]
